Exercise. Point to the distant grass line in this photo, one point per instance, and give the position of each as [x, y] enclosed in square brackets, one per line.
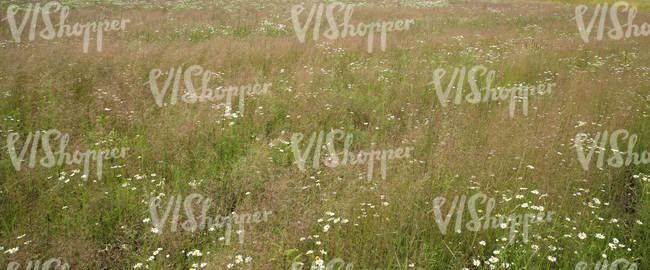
[642, 5]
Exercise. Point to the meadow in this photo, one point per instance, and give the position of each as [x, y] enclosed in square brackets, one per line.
[244, 161]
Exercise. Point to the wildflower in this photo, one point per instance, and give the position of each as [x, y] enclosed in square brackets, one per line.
[12, 251]
[230, 265]
[196, 252]
[137, 265]
[248, 259]
[551, 258]
[582, 235]
[318, 243]
[496, 252]
[535, 192]
[524, 205]
[146, 220]
[482, 243]
[639, 222]
[535, 247]
[519, 196]
[615, 241]
[494, 259]
[613, 220]
[309, 252]
[600, 236]
[476, 262]
[612, 246]
[238, 259]
[203, 264]
[155, 230]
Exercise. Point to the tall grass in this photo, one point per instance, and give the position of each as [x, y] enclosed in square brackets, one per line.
[383, 98]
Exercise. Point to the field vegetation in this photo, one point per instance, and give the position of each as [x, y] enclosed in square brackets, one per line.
[385, 99]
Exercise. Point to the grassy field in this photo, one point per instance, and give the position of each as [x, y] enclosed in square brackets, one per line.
[386, 99]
